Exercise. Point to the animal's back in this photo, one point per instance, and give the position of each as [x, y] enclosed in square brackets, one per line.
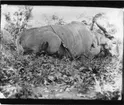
[76, 37]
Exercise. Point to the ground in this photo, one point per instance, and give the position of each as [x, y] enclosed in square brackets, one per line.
[47, 77]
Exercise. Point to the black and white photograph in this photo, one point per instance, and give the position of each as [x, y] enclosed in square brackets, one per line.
[61, 52]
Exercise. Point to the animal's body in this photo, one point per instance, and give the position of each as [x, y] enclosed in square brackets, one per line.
[73, 39]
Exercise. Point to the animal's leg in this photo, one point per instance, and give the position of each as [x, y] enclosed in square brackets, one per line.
[54, 42]
[35, 49]
[65, 51]
[19, 47]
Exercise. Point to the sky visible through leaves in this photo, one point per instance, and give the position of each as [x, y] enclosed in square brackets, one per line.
[69, 14]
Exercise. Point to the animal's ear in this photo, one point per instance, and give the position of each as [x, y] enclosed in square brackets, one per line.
[95, 51]
[107, 46]
[94, 43]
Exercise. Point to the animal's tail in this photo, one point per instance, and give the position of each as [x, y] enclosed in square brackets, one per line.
[19, 48]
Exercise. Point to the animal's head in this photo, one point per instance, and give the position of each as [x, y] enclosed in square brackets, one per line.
[109, 45]
[113, 47]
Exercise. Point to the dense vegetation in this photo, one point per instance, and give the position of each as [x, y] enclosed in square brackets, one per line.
[49, 77]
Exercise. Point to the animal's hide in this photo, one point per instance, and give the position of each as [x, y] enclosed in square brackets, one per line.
[35, 39]
[76, 38]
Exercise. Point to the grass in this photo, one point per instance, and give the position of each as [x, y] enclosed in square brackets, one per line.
[101, 76]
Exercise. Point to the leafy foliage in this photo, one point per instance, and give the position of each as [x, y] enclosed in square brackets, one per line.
[54, 19]
[23, 74]
[18, 21]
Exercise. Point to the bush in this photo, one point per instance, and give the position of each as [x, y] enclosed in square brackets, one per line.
[17, 21]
